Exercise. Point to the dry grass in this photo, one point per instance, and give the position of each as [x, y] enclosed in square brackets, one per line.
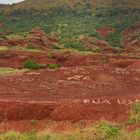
[10, 71]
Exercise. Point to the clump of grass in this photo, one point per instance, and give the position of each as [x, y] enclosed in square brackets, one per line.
[30, 47]
[9, 71]
[12, 136]
[33, 122]
[49, 55]
[3, 48]
[135, 135]
[31, 64]
[56, 47]
[105, 130]
[136, 107]
[54, 66]
[134, 114]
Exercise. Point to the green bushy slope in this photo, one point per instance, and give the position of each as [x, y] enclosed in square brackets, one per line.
[70, 18]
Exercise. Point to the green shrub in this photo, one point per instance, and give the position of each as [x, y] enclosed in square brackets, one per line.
[136, 108]
[96, 49]
[30, 46]
[115, 39]
[134, 115]
[49, 55]
[54, 66]
[56, 47]
[30, 64]
[74, 45]
[107, 131]
[135, 134]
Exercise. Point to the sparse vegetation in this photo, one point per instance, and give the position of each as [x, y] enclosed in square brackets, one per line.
[134, 114]
[33, 122]
[49, 55]
[9, 71]
[30, 46]
[78, 45]
[54, 66]
[103, 131]
[3, 48]
[13, 48]
[107, 131]
[135, 135]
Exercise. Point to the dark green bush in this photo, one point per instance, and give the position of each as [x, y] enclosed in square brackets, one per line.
[30, 64]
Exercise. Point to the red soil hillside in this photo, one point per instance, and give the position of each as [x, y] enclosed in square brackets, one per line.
[104, 32]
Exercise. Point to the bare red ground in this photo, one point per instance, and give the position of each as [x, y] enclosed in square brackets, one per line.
[86, 87]
[104, 32]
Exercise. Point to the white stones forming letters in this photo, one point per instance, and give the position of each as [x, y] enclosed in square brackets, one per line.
[109, 102]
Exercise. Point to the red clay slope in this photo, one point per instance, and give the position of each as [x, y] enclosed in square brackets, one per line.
[76, 92]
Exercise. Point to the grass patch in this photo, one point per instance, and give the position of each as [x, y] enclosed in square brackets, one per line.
[107, 132]
[54, 66]
[3, 48]
[49, 55]
[135, 135]
[17, 48]
[134, 114]
[28, 48]
[101, 131]
[73, 51]
[31, 50]
[10, 71]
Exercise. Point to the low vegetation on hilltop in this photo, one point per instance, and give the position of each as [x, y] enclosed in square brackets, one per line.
[71, 19]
